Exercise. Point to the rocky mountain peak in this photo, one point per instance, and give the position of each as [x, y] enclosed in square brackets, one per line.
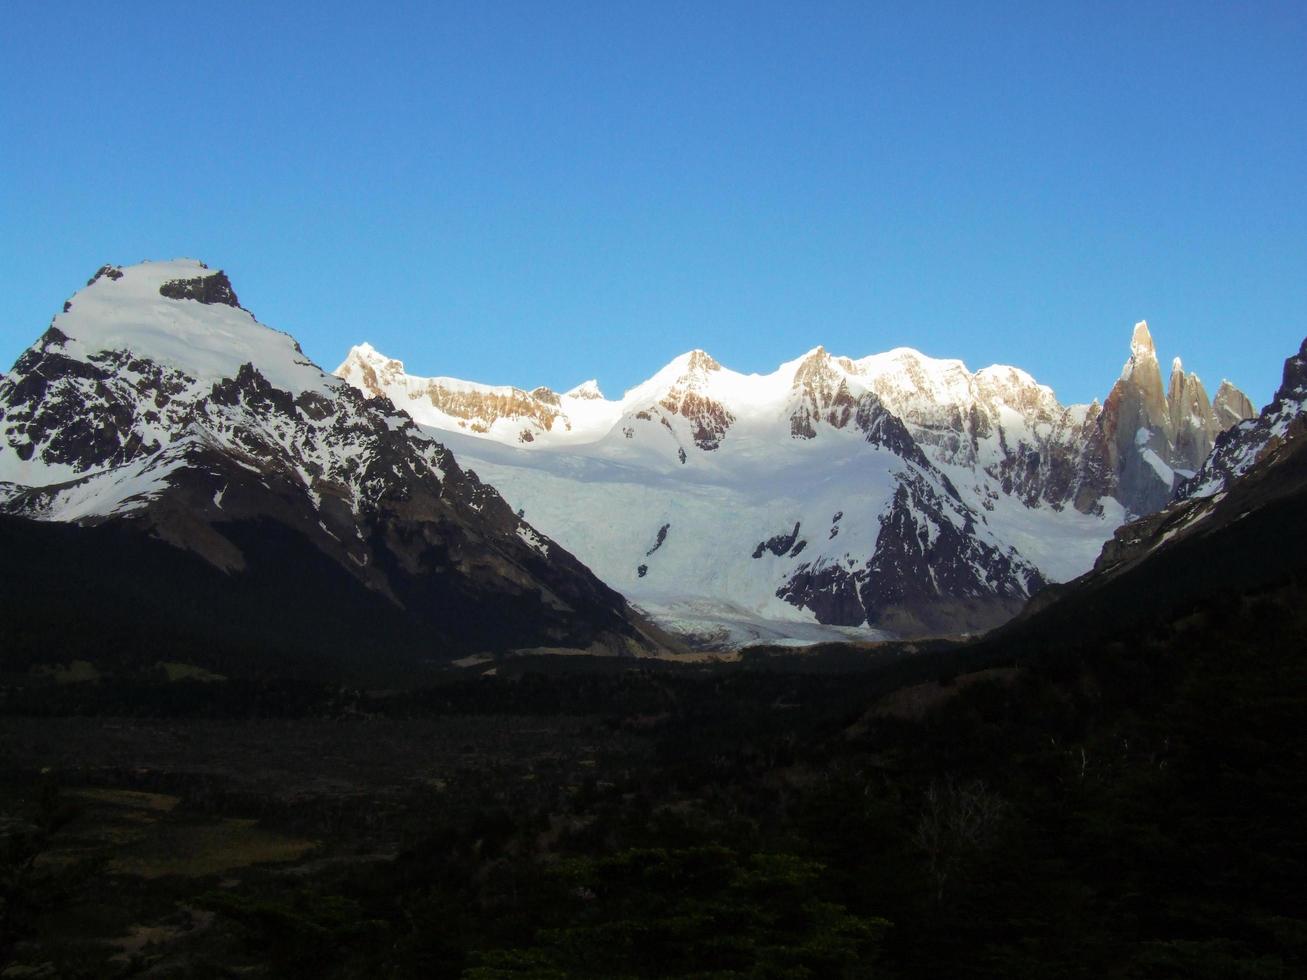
[816, 368]
[1231, 406]
[370, 370]
[155, 401]
[701, 362]
[587, 390]
[1141, 342]
[822, 389]
[1294, 379]
[1148, 440]
[1241, 447]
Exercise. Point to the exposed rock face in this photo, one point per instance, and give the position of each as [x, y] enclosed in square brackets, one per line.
[1192, 421]
[112, 271]
[930, 570]
[209, 288]
[779, 544]
[1259, 462]
[823, 395]
[587, 391]
[480, 408]
[1133, 425]
[102, 421]
[998, 421]
[1149, 442]
[709, 419]
[1231, 406]
[1239, 449]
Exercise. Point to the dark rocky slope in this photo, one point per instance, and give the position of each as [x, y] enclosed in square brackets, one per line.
[136, 410]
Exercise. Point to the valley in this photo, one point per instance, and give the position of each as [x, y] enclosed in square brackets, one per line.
[352, 712]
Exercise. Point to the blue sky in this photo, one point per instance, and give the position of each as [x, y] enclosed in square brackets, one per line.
[540, 193]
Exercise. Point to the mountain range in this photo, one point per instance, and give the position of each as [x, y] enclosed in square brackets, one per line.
[158, 425]
[895, 494]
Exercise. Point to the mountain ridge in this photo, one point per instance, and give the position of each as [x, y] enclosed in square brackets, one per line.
[1036, 485]
[155, 401]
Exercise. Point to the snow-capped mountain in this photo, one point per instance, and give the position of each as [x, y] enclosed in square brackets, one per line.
[155, 399]
[898, 492]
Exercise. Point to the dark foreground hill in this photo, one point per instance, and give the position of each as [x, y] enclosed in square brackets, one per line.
[1111, 787]
[1084, 796]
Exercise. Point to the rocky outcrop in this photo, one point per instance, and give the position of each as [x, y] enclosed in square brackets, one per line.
[930, 571]
[998, 422]
[883, 429]
[1193, 424]
[111, 272]
[78, 414]
[478, 408]
[709, 419]
[1231, 406]
[822, 394]
[1240, 448]
[213, 287]
[781, 544]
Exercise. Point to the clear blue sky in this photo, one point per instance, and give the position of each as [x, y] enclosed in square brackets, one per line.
[536, 193]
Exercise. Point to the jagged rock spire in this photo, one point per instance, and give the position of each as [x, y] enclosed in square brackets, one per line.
[1231, 406]
[1149, 440]
[1141, 342]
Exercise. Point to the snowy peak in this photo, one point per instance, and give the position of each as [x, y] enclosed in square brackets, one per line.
[822, 391]
[817, 369]
[998, 423]
[180, 315]
[708, 419]
[1008, 434]
[155, 400]
[699, 363]
[369, 370]
[448, 403]
[586, 390]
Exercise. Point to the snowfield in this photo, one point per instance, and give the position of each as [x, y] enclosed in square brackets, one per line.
[605, 477]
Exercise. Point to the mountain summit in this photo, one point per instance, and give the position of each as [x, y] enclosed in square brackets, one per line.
[1152, 441]
[155, 402]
